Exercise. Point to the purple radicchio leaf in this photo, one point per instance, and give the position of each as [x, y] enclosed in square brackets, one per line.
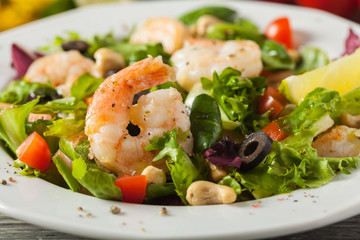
[21, 59]
[224, 153]
[352, 42]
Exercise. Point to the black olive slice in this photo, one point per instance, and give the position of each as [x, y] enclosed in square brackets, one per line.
[138, 95]
[254, 149]
[109, 73]
[45, 94]
[81, 46]
[133, 129]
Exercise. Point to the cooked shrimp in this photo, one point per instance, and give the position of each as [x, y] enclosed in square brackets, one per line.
[62, 69]
[171, 33]
[340, 141]
[111, 110]
[201, 57]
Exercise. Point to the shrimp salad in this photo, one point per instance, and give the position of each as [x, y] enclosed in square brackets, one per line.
[183, 111]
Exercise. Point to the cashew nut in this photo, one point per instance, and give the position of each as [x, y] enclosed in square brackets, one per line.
[204, 22]
[207, 193]
[217, 173]
[107, 59]
[154, 175]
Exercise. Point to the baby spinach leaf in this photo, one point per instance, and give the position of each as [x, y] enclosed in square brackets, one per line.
[237, 31]
[205, 121]
[220, 12]
[311, 58]
[275, 57]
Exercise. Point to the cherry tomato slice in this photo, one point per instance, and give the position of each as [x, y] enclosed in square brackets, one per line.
[272, 100]
[280, 31]
[35, 152]
[274, 132]
[133, 188]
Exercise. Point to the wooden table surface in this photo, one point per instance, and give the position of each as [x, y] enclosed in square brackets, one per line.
[11, 228]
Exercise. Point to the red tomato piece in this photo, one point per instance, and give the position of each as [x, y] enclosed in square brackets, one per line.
[133, 188]
[280, 31]
[272, 100]
[35, 152]
[274, 132]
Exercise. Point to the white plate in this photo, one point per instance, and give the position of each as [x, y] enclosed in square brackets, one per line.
[38, 202]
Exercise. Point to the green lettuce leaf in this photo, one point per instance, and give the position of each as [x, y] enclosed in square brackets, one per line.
[100, 41]
[136, 52]
[154, 191]
[66, 174]
[315, 105]
[55, 45]
[183, 171]
[17, 92]
[220, 12]
[61, 105]
[238, 98]
[232, 180]
[51, 175]
[88, 174]
[85, 86]
[242, 29]
[311, 58]
[12, 125]
[293, 163]
[350, 102]
[65, 128]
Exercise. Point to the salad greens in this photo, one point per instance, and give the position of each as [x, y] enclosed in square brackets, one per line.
[20, 92]
[225, 105]
[182, 169]
[275, 56]
[238, 98]
[205, 123]
[293, 163]
[12, 125]
[220, 12]
[311, 58]
[88, 174]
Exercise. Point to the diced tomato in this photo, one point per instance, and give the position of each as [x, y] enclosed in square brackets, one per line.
[133, 188]
[272, 100]
[35, 152]
[274, 132]
[280, 31]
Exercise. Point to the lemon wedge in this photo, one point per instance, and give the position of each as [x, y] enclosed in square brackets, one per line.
[341, 75]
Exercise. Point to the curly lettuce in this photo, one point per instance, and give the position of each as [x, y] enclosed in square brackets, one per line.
[182, 169]
[293, 163]
[237, 98]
